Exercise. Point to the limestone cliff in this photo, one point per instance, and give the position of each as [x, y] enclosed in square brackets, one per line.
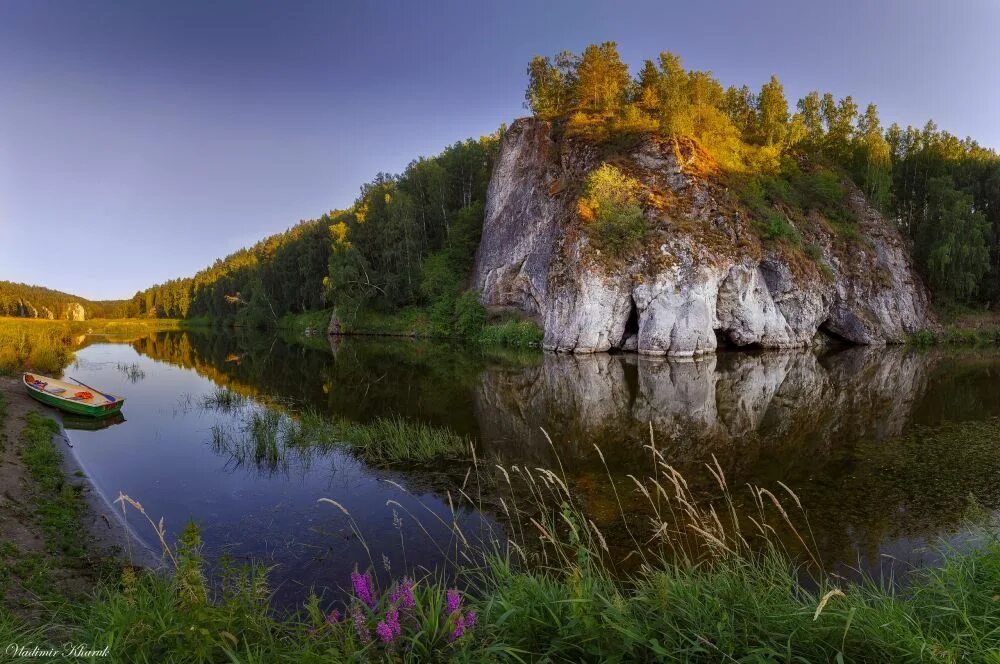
[703, 277]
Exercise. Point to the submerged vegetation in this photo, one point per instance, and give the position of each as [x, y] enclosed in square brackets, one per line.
[264, 436]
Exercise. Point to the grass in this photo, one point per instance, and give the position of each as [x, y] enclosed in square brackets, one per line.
[264, 436]
[712, 587]
[132, 372]
[512, 333]
[47, 346]
[58, 504]
[414, 322]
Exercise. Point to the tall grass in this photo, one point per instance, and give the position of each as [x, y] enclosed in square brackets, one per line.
[47, 346]
[515, 333]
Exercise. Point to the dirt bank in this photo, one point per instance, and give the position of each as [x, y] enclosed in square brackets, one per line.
[32, 569]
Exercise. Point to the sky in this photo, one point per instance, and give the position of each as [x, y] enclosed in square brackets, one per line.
[140, 141]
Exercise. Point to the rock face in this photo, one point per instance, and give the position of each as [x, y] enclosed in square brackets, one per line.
[703, 276]
[75, 311]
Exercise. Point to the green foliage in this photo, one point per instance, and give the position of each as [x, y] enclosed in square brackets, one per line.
[46, 346]
[614, 218]
[411, 239]
[512, 333]
[264, 437]
[951, 241]
[469, 315]
[776, 228]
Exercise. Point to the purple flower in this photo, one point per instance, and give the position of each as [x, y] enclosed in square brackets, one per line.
[359, 625]
[392, 620]
[402, 596]
[470, 619]
[459, 628]
[333, 617]
[363, 588]
[454, 601]
[384, 632]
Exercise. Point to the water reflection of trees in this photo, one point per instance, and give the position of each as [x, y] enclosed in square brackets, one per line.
[834, 426]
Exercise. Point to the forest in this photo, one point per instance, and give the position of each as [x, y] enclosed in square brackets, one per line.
[24, 301]
[409, 240]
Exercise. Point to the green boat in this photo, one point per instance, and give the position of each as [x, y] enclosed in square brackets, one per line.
[76, 399]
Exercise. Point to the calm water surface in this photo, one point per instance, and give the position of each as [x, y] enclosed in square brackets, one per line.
[825, 423]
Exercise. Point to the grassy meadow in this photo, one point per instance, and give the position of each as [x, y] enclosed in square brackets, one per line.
[47, 346]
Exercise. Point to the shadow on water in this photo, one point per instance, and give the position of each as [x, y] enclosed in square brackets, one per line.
[887, 448]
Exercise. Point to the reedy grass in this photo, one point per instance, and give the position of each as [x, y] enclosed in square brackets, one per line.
[264, 436]
[512, 333]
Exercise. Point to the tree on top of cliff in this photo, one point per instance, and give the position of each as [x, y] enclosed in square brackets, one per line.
[753, 137]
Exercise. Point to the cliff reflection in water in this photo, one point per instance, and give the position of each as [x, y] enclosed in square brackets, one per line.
[860, 434]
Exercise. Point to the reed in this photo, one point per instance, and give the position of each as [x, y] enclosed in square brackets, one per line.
[132, 372]
[264, 436]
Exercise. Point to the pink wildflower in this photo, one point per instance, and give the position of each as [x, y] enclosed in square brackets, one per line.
[454, 601]
[333, 617]
[363, 588]
[359, 625]
[392, 620]
[470, 619]
[459, 628]
[402, 596]
[384, 632]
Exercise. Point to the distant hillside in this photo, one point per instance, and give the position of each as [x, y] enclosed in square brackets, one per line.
[24, 301]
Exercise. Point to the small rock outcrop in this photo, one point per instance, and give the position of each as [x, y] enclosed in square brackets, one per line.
[703, 278]
[75, 311]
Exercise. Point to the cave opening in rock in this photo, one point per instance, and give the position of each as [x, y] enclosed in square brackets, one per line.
[632, 324]
[724, 342]
[630, 337]
[827, 334]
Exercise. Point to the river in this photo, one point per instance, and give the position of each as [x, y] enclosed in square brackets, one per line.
[852, 431]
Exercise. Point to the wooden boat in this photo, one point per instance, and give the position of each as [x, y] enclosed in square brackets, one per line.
[76, 399]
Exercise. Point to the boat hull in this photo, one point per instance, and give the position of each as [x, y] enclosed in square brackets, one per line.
[82, 408]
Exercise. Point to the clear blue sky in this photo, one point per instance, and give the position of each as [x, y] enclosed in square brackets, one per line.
[139, 141]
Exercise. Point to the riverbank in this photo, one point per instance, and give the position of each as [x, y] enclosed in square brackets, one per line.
[56, 539]
[47, 346]
[510, 331]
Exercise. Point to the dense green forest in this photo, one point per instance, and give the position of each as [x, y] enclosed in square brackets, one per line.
[409, 239]
[26, 301]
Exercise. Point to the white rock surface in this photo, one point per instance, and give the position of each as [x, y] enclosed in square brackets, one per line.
[703, 277]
